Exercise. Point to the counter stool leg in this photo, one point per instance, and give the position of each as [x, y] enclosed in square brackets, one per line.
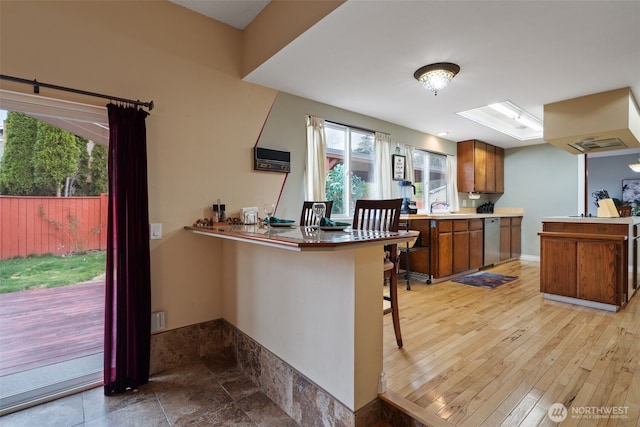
[407, 270]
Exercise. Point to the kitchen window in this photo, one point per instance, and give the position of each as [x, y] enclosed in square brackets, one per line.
[430, 179]
[349, 165]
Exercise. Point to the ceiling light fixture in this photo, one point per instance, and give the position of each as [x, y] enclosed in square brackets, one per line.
[435, 77]
[507, 118]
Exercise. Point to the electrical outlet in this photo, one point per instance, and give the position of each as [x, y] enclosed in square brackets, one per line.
[155, 231]
[464, 203]
[473, 203]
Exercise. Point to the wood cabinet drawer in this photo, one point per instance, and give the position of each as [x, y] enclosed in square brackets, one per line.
[445, 226]
[476, 224]
[460, 225]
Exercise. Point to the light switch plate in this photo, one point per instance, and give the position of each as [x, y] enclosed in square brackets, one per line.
[155, 231]
[158, 321]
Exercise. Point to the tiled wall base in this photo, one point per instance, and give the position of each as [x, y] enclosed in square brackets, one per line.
[300, 398]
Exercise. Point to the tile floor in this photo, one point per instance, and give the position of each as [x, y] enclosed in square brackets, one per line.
[210, 392]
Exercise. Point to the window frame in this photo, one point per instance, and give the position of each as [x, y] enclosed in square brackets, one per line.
[348, 162]
[427, 199]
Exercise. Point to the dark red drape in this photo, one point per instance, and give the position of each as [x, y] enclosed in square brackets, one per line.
[128, 286]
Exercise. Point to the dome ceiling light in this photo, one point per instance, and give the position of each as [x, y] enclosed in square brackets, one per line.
[435, 77]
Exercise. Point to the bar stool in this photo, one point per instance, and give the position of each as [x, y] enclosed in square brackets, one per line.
[383, 215]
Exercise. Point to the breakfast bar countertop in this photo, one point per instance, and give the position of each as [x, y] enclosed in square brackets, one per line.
[303, 238]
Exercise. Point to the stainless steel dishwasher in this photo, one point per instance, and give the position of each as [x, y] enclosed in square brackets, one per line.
[491, 240]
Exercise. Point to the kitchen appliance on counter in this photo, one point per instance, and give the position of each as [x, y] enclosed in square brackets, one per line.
[407, 191]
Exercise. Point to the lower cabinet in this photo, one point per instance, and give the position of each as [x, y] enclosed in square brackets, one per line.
[457, 245]
[567, 267]
[587, 261]
[460, 245]
[510, 237]
[476, 243]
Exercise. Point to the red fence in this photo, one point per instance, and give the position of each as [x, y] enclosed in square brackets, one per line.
[56, 225]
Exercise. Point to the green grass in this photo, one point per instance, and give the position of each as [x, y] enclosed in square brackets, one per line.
[48, 271]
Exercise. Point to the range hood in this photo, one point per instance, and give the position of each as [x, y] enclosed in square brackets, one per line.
[595, 123]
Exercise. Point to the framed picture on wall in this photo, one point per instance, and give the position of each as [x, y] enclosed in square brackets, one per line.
[631, 192]
[397, 165]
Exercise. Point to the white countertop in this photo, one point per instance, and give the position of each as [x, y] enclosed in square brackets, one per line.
[593, 219]
[458, 215]
[467, 213]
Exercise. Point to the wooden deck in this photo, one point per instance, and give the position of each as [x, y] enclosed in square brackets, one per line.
[502, 357]
[45, 326]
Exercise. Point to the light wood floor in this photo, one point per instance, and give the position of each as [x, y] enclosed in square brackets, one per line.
[491, 357]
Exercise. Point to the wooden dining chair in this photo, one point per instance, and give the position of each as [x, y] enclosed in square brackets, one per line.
[307, 218]
[383, 215]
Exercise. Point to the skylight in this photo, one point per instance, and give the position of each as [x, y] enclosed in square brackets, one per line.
[507, 118]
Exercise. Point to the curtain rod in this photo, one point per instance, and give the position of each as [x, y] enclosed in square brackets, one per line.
[36, 89]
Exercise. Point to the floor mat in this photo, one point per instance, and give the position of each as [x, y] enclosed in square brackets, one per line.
[485, 280]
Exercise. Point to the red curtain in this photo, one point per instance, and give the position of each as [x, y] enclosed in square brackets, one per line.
[127, 335]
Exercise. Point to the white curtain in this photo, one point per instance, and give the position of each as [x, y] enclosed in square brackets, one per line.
[409, 175]
[315, 169]
[382, 166]
[452, 181]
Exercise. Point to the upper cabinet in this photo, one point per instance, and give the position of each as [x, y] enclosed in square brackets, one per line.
[480, 167]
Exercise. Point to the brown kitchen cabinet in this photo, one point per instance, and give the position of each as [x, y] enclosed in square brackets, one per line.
[480, 167]
[460, 245]
[457, 246]
[442, 247]
[585, 261]
[454, 246]
[516, 237]
[476, 243]
[510, 238]
[582, 266]
[499, 164]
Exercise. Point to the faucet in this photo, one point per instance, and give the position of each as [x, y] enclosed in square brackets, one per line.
[437, 203]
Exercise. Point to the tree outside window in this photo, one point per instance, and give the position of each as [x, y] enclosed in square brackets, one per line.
[349, 166]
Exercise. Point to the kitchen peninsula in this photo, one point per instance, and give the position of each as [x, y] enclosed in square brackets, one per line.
[310, 297]
[589, 261]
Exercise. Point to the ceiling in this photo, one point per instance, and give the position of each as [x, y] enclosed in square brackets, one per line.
[362, 57]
